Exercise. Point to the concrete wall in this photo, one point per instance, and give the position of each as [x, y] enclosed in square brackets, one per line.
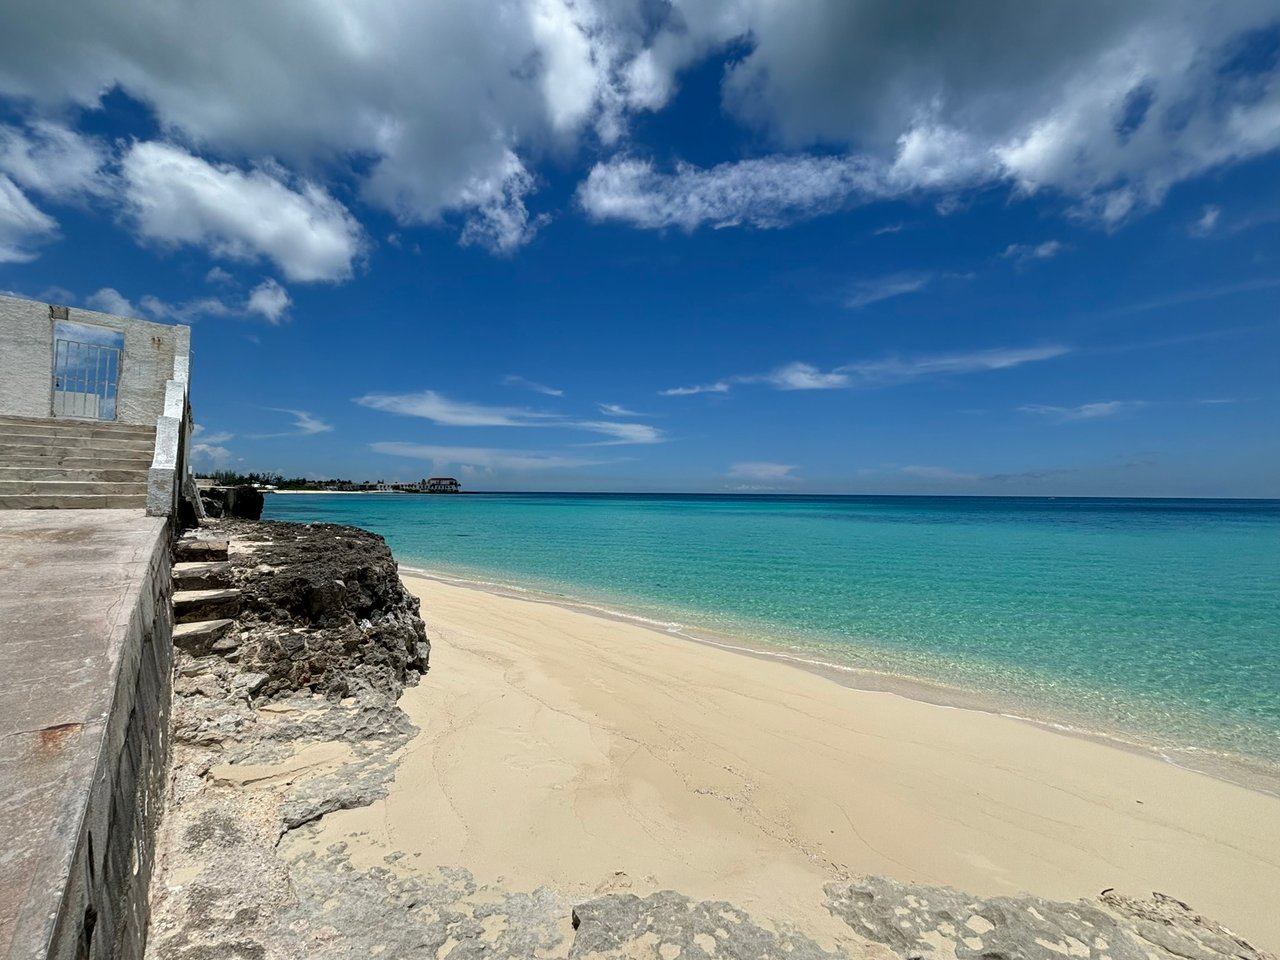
[99, 855]
[26, 360]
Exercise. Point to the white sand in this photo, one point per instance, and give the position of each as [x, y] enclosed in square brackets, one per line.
[575, 751]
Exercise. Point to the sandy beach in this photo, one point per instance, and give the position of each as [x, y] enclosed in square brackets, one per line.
[590, 755]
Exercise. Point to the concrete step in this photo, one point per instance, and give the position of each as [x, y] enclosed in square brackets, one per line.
[134, 473]
[11, 452]
[137, 462]
[63, 427]
[60, 487]
[199, 636]
[71, 501]
[192, 605]
[197, 575]
[192, 550]
[55, 442]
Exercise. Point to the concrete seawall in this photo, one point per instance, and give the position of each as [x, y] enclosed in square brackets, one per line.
[85, 689]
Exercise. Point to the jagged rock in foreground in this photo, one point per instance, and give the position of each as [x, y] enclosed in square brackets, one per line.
[915, 922]
[291, 715]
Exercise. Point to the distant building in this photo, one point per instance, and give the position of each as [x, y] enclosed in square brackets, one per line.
[443, 485]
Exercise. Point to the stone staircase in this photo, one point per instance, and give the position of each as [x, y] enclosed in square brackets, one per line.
[205, 604]
[48, 463]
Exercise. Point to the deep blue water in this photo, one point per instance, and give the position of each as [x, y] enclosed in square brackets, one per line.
[1155, 619]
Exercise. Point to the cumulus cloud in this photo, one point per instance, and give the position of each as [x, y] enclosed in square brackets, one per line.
[270, 301]
[111, 300]
[1107, 111]
[483, 458]
[174, 197]
[805, 376]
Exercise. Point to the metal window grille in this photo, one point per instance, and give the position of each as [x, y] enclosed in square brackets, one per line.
[86, 379]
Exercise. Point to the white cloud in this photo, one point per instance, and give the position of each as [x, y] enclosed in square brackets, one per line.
[804, 376]
[617, 410]
[866, 292]
[53, 160]
[304, 425]
[432, 406]
[894, 370]
[514, 380]
[482, 458]
[204, 436]
[1086, 411]
[219, 276]
[1023, 252]
[110, 300]
[1208, 221]
[210, 455]
[22, 226]
[1107, 112]
[621, 432]
[174, 197]
[189, 311]
[452, 413]
[759, 470]
[269, 300]
[720, 386]
[769, 192]
[884, 372]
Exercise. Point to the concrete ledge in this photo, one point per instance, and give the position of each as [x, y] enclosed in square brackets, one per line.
[85, 674]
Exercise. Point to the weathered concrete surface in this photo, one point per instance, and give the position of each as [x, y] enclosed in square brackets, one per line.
[85, 658]
[26, 360]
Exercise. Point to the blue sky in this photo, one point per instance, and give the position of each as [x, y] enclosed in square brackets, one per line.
[860, 247]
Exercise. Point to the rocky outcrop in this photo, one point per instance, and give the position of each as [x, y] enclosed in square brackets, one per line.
[324, 610]
[243, 502]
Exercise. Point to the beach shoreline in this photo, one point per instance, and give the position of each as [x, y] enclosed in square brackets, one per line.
[591, 755]
[1238, 770]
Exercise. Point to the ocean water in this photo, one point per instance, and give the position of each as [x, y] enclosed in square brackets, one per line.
[1157, 621]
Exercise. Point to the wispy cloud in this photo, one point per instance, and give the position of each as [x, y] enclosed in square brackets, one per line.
[720, 386]
[937, 473]
[883, 372]
[432, 406]
[621, 432]
[617, 410]
[866, 292]
[804, 376]
[1086, 411]
[439, 409]
[304, 425]
[1193, 296]
[888, 228]
[762, 470]
[1208, 221]
[1023, 252]
[489, 458]
[515, 380]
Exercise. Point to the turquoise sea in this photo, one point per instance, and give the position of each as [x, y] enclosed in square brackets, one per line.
[1157, 621]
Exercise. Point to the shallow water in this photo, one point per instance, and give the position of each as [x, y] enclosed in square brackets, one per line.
[1156, 620]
